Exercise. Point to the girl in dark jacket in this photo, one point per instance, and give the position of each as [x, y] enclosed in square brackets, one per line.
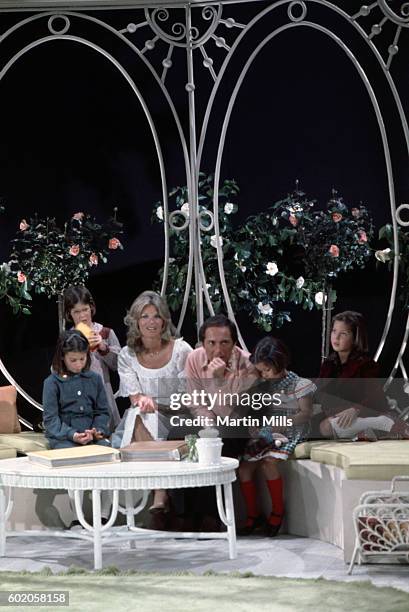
[352, 397]
[75, 404]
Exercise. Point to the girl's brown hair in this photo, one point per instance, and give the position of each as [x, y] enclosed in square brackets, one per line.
[72, 341]
[77, 295]
[357, 325]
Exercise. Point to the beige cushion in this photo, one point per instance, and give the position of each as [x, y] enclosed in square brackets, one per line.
[380, 460]
[25, 441]
[303, 450]
[6, 452]
[9, 422]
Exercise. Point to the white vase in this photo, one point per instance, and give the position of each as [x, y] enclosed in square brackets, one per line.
[209, 450]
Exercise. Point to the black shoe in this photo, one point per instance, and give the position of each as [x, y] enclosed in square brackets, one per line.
[272, 530]
[257, 522]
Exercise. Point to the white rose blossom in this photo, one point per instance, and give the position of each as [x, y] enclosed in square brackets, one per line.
[235, 257]
[319, 298]
[271, 268]
[243, 268]
[299, 282]
[213, 241]
[228, 208]
[296, 208]
[159, 213]
[265, 309]
[185, 208]
[384, 255]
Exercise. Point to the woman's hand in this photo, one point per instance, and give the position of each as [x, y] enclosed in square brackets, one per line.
[346, 417]
[145, 402]
[82, 437]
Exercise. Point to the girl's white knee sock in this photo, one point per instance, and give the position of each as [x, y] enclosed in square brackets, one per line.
[381, 422]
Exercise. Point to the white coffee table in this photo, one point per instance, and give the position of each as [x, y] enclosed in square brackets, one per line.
[115, 477]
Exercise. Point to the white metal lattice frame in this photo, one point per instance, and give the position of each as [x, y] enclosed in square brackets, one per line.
[163, 25]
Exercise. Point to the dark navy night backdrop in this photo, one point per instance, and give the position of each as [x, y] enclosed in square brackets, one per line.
[75, 138]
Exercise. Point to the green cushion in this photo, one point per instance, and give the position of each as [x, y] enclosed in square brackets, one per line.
[25, 441]
[380, 460]
[6, 452]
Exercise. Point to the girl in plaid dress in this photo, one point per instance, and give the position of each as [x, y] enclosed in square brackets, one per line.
[270, 445]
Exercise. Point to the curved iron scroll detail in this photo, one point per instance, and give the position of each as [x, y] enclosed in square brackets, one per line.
[178, 33]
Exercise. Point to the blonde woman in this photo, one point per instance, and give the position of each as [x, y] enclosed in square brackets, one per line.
[149, 366]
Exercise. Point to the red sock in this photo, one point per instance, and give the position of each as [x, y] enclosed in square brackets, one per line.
[248, 488]
[275, 488]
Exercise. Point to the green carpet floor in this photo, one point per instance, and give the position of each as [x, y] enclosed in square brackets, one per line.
[138, 592]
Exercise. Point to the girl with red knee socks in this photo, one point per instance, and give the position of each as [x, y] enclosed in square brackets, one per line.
[269, 444]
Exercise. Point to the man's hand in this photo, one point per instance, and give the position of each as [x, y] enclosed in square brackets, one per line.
[346, 417]
[217, 367]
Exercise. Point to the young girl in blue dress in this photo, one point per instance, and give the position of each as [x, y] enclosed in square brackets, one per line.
[270, 445]
[76, 410]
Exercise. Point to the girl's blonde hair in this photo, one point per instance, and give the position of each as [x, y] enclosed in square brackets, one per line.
[147, 298]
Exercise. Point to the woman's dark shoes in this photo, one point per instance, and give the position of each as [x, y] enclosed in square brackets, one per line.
[253, 525]
[273, 525]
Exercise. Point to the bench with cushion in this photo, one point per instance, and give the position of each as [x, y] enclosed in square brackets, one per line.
[325, 482]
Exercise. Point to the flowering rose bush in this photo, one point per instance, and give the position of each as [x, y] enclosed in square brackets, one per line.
[330, 241]
[289, 253]
[13, 287]
[49, 258]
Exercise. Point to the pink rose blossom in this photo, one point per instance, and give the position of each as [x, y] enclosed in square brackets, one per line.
[356, 213]
[21, 277]
[74, 250]
[334, 250]
[24, 225]
[293, 220]
[336, 217]
[78, 216]
[362, 237]
[114, 243]
[93, 260]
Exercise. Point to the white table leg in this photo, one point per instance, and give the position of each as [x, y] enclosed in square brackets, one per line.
[231, 525]
[96, 517]
[129, 506]
[130, 516]
[2, 522]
